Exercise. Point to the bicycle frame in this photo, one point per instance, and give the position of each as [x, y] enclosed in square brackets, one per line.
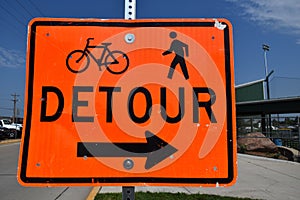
[108, 58]
[104, 52]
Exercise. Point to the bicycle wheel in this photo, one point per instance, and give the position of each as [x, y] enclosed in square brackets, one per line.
[77, 61]
[116, 62]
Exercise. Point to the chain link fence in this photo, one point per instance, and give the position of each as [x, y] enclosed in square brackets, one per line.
[282, 130]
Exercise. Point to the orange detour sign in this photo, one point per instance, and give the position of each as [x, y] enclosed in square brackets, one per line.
[117, 102]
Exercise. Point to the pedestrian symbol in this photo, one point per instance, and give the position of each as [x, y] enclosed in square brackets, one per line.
[178, 47]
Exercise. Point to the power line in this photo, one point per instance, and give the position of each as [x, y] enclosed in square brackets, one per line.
[4, 99]
[282, 77]
[9, 27]
[16, 18]
[24, 8]
[1, 108]
[37, 8]
[276, 78]
[13, 9]
[14, 27]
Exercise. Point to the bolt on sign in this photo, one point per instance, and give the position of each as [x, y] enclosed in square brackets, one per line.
[118, 102]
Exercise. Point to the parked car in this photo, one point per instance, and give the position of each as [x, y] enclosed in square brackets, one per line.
[18, 126]
[3, 132]
[10, 130]
[6, 133]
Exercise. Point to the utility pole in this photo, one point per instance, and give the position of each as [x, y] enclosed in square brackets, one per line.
[15, 106]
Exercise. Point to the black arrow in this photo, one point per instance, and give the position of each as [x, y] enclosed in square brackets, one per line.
[156, 149]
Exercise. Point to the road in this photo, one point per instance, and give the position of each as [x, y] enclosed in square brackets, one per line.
[11, 190]
[258, 178]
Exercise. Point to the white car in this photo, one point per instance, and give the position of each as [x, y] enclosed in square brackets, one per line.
[6, 124]
[10, 130]
[18, 126]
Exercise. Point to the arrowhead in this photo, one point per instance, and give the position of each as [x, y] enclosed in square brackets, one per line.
[160, 150]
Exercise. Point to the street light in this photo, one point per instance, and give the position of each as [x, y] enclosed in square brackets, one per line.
[267, 48]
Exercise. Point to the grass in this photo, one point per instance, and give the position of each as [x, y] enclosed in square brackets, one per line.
[165, 196]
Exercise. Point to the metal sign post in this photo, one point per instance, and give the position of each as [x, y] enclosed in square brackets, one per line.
[128, 193]
[129, 14]
[130, 9]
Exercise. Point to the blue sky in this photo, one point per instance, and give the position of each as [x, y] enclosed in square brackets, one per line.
[255, 22]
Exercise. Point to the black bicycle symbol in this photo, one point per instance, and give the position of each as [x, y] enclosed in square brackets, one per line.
[116, 62]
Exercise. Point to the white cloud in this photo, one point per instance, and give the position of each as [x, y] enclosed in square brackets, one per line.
[11, 58]
[282, 15]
